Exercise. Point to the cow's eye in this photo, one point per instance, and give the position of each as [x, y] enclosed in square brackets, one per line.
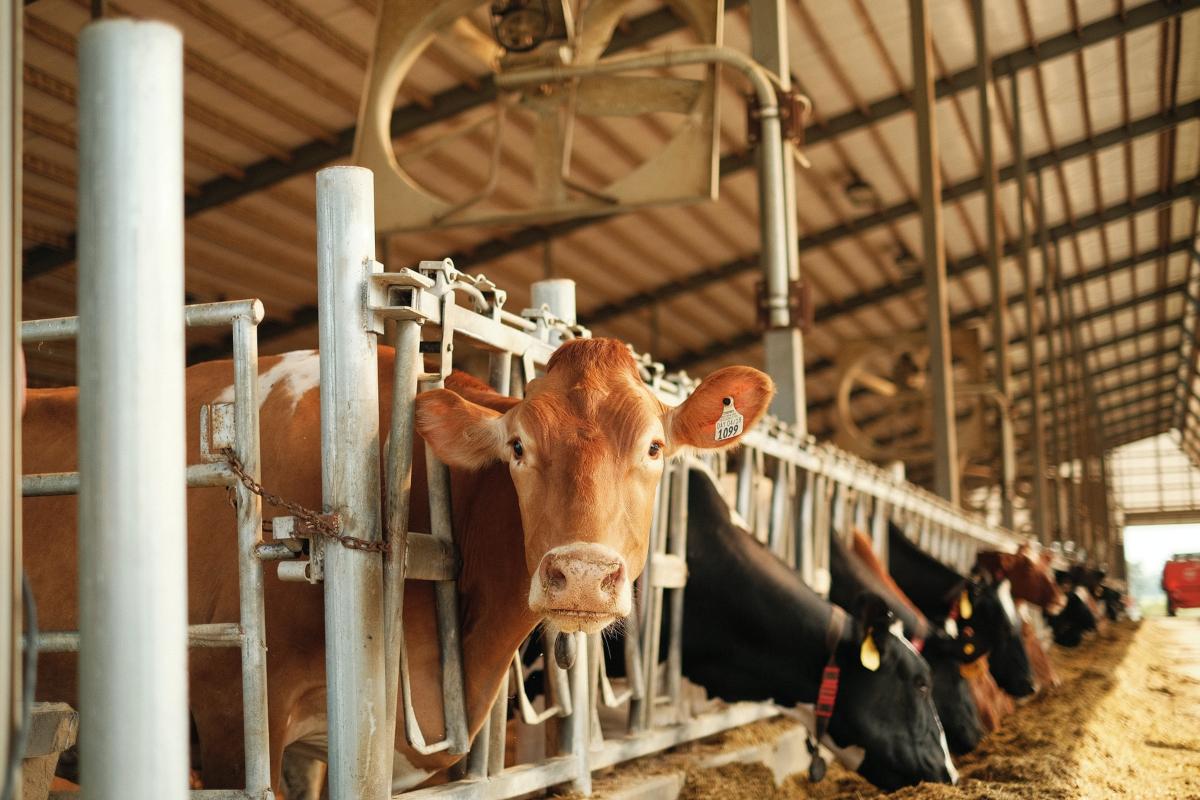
[517, 448]
[655, 449]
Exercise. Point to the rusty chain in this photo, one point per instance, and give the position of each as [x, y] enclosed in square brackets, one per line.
[326, 525]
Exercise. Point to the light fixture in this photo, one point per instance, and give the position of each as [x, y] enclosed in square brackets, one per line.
[521, 25]
[860, 193]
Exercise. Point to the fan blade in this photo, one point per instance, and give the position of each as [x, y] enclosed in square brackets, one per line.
[876, 383]
[467, 37]
[633, 95]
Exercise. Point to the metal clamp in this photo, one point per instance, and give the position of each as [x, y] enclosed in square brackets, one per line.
[218, 431]
[801, 311]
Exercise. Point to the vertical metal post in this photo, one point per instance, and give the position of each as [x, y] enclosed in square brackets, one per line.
[945, 438]
[11, 366]
[407, 369]
[677, 546]
[358, 758]
[574, 734]
[1071, 410]
[1003, 374]
[1057, 432]
[1037, 429]
[783, 343]
[252, 604]
[132, 455]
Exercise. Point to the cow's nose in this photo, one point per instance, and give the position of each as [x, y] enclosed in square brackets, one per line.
[584, 580]
[581, 581]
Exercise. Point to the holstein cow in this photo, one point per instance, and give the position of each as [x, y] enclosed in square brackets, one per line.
[979, 613]
[857, 570]
[552, 501]
[753, 630]
[1081, 614]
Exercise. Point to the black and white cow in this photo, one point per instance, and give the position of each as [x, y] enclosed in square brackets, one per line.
[851, 577]
[1077, 618]
[979, 613]
[753, 630]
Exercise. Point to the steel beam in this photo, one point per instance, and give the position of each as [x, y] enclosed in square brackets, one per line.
[1008, 460]
[933, 253]
[308, 157]
[132, 450]
[1146, 126]
[907, 285]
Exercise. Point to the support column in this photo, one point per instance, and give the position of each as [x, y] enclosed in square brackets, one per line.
[132, 455]
[945, 439]
[354, 664]
[10, 367]
[783, 344]
[1002, 372]
[1058, 439]
[1039, 516]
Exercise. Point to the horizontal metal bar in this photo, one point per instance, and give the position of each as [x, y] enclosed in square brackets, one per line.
[199, 315]
[1165, 517]
[51, 484]
[195, 794]
[616, 751]
[668, 571]
[512, 782]
[215, 634]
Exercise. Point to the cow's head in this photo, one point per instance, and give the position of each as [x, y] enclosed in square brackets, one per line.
[984, 621]
[1032, 581]
[586, 448]
[952, 694]
[885, 704]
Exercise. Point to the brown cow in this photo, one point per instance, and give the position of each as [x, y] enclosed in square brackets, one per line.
[552, 501]
[1032, 584]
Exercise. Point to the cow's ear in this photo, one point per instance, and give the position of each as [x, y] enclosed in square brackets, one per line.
[462, 434]
[724, 406]
[876, 619]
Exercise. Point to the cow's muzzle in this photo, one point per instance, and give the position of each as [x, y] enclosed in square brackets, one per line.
[580, 587]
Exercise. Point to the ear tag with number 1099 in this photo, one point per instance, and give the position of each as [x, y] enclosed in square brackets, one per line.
[730, 423]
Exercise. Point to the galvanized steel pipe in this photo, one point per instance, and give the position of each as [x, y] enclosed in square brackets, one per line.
[132, 456]
[354, 664]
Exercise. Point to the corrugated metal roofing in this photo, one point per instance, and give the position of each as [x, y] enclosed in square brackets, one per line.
[1110, 101]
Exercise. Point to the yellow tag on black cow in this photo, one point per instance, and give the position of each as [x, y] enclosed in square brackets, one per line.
[964, 606]
[869, 653]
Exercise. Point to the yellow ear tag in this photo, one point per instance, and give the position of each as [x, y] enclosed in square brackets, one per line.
[964, 606]
[869, 653]
[968, 648]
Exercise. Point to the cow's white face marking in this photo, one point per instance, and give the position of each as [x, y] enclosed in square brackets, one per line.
[951, 626]
[299, 372]
[897, 629]
[1004, 592]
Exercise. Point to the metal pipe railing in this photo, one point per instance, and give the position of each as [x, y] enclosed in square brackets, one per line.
[132, 431]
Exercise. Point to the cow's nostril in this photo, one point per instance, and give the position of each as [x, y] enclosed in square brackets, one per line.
[555, 579]
[612, 581]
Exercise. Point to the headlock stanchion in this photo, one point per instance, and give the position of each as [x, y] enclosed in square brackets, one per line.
[132, 515]
[793, 492]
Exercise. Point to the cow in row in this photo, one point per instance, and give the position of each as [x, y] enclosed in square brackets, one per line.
[855, 569]
[552, 500]
[978, 610]
[753, 630]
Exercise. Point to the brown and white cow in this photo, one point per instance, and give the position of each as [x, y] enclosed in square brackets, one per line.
[552, 501]
[1033, 585]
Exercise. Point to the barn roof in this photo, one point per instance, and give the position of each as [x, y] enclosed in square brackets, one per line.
[1110, 100]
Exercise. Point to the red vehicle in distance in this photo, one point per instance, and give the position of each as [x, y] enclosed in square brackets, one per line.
[1181, 582]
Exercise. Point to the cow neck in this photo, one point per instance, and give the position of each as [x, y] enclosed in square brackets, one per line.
[928, 582]
[754, 609]
[851, 575]
[493, 581]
